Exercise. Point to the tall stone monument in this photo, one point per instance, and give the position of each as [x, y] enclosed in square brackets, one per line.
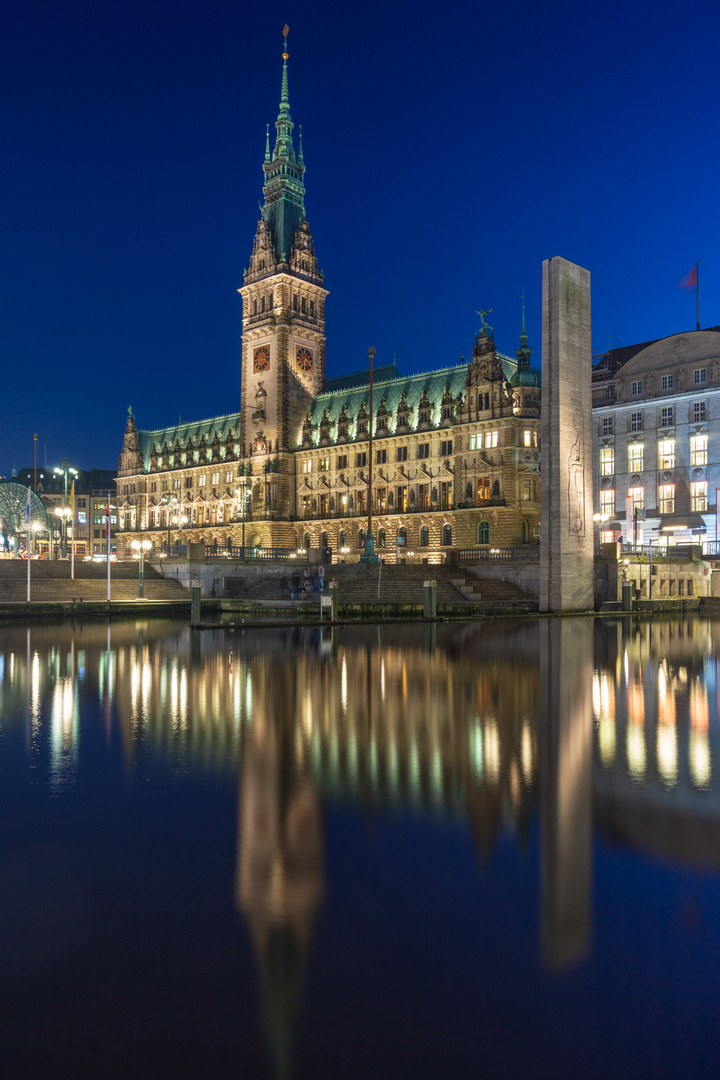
[566, 485]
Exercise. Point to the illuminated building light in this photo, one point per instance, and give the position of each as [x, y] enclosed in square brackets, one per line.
[476, 750]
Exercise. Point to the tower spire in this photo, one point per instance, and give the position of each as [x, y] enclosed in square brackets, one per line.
[524, 353]
[284, 190]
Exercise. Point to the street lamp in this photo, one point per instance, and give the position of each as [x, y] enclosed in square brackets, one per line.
[242, 492]
[344, 551]
[141, 548]
[63, 471]
[171, 503]
[180, 520]
[63, 512]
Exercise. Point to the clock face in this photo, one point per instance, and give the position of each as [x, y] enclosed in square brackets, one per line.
[261, 359]
[304, 358]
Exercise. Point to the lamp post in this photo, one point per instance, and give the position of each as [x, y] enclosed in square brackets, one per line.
[141, 548]
[63, 512]
[179, 520]
[63, 471]
[241, 492]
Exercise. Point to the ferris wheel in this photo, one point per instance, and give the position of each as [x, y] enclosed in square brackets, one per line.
[13, 500]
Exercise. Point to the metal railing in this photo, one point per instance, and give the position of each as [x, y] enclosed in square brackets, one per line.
[531, 553]
[232, 551]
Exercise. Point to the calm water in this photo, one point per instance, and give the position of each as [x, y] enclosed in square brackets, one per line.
[475, 851]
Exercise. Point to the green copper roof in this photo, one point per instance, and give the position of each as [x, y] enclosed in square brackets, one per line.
[222, 425]
[388, 383]
[283, 189]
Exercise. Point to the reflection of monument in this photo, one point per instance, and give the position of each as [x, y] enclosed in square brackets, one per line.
[280, 870]
[565, 740]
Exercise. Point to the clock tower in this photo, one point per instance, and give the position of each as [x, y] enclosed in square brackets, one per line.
[283, 343]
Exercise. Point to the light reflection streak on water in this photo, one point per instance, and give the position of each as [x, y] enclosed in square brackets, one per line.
[63, 734]
[35, 699]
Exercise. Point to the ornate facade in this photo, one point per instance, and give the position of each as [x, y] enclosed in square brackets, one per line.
[455, 452]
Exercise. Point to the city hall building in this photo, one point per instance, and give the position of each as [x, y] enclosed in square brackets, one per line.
[455, 453]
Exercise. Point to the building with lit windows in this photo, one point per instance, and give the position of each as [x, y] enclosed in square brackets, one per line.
[455, 452]
[656, 439]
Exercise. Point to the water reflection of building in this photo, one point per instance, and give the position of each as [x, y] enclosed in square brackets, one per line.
[656, 720]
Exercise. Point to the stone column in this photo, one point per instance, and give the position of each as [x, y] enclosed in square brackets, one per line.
[566, 485]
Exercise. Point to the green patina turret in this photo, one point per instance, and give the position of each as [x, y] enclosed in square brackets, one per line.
[283, 189]
[525, 374]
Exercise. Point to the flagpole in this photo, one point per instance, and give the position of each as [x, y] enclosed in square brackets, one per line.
[29, 560]
[697, 295]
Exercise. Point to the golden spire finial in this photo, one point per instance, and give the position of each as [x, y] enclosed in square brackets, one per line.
[286, 31]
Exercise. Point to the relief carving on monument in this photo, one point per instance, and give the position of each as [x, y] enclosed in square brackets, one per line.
[576, 479]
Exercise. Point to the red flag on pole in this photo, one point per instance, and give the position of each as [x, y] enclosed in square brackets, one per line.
[689, 281]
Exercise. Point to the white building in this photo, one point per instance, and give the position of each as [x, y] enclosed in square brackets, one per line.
[656, 440]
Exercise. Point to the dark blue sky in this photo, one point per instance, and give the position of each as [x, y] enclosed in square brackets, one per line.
[449, 150]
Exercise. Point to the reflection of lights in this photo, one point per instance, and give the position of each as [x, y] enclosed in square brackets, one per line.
[636, 751]
[343, 685]
[63, 733]
[308, 711]
[248, 698]
[492, 750]
[436, 775]
[667, 754]
[393, 769]
[476, 749]
[414, 770]
[606, 740]
[700, 758]
[699, 710]
[35, 692]
[183, 696]
[526, 752]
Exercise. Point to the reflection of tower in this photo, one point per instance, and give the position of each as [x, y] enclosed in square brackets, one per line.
[566, 792]
[280, 870]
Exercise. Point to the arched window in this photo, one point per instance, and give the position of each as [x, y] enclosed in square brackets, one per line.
[381, 538]
[306, 542]
[323, 540]
[447, 535]
[483, 533]
[424, 536]
[342, 539]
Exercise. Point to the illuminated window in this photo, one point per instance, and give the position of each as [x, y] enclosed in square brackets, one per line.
[666, 454]
[698, 495]
[699, 415]
[324, 465]
[483, 490]
[475, 442]
[215, 479]
[637, 496]
[491, 438]
[666, 498]
[526, 438]
[202, 481]
[607, 502]
[607, 461]
[698, 449]
[635, 457]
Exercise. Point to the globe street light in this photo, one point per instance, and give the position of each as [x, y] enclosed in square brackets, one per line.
[242, 493]
[141, 548]
[63, 512]
[180, 520]
[63, 471]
